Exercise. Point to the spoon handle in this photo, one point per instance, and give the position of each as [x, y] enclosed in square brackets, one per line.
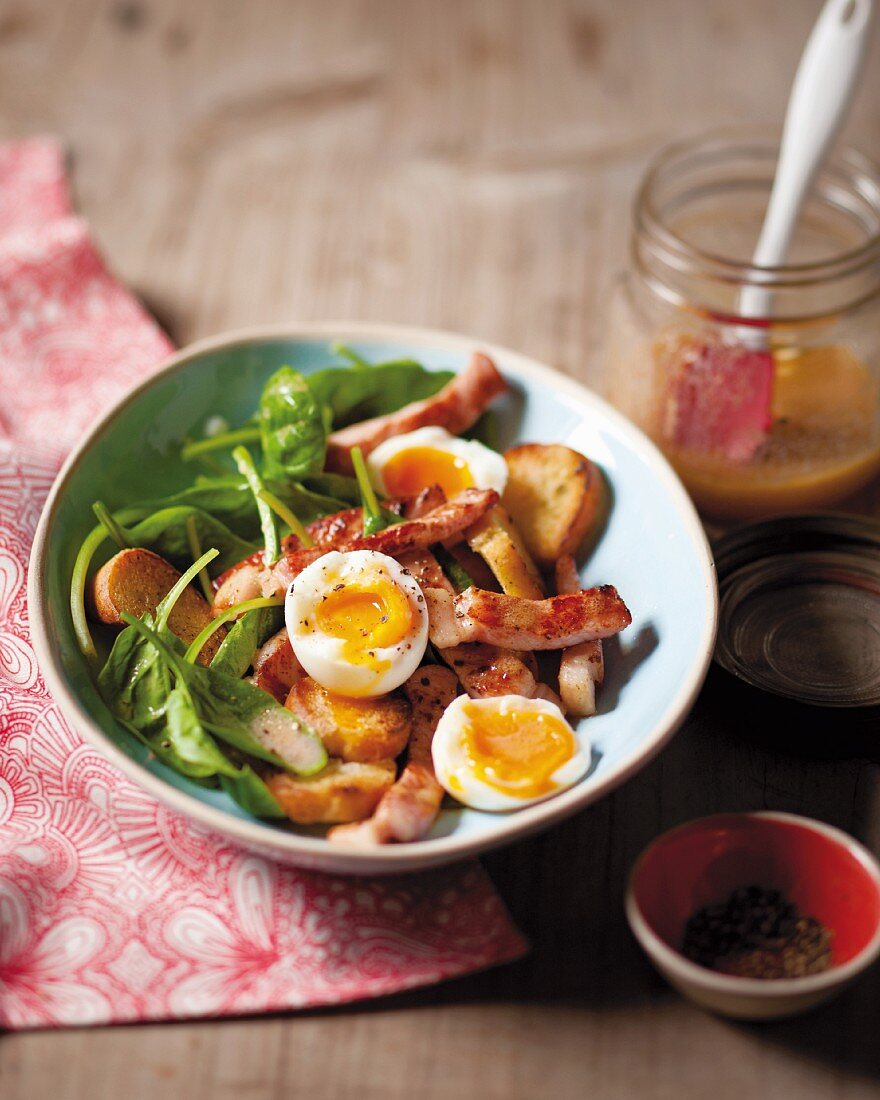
[823, 87]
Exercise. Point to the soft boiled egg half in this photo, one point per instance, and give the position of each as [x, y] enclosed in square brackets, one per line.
[505, 752]
[357, 622]
[401, 466]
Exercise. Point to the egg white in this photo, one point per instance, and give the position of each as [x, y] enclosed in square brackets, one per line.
[451, 763]
[322, 655]
[487, 468]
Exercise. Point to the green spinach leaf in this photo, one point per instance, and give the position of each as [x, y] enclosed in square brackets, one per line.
[292, 429]
[353, 395]
[251, 793]
[244, 716]
[192, 745]
[236, 652]
[165, 533]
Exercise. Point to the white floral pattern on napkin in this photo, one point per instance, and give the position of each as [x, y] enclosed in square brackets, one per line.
[112, 907]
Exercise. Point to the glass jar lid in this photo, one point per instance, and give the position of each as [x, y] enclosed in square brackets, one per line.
[799, 611]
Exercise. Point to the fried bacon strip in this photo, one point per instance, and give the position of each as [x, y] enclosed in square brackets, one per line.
[242, 581]
[276, 668]
[581, 667]
[426, 500]
[482, 670]
[407, 811]
[413, 534]
[486, 670]
[556, 623]
[456, 407]
[439, 595]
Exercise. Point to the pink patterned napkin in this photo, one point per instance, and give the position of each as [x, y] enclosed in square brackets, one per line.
[112, 907]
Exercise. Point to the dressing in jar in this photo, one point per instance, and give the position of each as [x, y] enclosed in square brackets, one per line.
[758, 415]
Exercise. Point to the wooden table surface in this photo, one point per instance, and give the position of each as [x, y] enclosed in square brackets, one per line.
[466, 165]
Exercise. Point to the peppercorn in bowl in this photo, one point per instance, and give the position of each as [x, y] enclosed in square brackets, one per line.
[756, 915]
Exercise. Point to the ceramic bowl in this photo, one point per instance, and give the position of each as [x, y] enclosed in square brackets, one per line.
[826, 873]
[653, 549]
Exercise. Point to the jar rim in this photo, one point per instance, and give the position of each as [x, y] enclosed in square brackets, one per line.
[756, 141]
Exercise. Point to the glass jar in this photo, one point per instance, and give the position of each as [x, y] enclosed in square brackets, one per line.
[758, 414]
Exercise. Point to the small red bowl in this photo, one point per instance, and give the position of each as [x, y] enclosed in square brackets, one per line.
[827, 874]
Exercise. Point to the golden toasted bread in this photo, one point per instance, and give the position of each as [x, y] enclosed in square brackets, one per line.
[502, 547]
[342, 791]
[357, 730]
[555, 496]
[135, 581]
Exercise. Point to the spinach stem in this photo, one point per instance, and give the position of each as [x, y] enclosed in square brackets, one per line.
[351, 355]
[223, 442]
[195, 548]
[151, 635]
[286, 516]
[110, 525]
[198, 643]
[167, 605]
[78, 590]
[373, 519]
[248, 470]
[78, 579]
[457, 574]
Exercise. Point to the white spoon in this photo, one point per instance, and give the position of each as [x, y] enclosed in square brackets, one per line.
[823, 88]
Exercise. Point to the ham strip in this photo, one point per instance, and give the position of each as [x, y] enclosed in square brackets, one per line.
[426, 500]
[582, 667]
[557, 623]
[242, 581]
[414, 534]
[276, 668]
[456, 408]
[407, 811]
[486, 670]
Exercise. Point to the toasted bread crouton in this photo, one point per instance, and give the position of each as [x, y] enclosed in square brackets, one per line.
[499, 543]
[555, 496]
[408, 808]
[357, 730]
[342, 791]
[136, 581]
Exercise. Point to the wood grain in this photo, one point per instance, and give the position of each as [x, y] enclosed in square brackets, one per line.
[465, 165]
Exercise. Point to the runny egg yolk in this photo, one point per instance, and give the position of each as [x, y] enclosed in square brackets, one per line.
[517, 751]
[365, 618]
[406, 472]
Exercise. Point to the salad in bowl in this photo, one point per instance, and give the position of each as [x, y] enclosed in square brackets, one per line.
[358, 607]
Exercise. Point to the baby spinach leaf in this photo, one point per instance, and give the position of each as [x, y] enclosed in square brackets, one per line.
[251, 793]
[165, 532]
[337, 487]
[135, 682]
[230, 501]
[487, 430]
[354, 395]
[244, 716]
[272, 544]
[162, 750]
[236, 652]
[292, 428]
[192, 745]
[252, 721]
